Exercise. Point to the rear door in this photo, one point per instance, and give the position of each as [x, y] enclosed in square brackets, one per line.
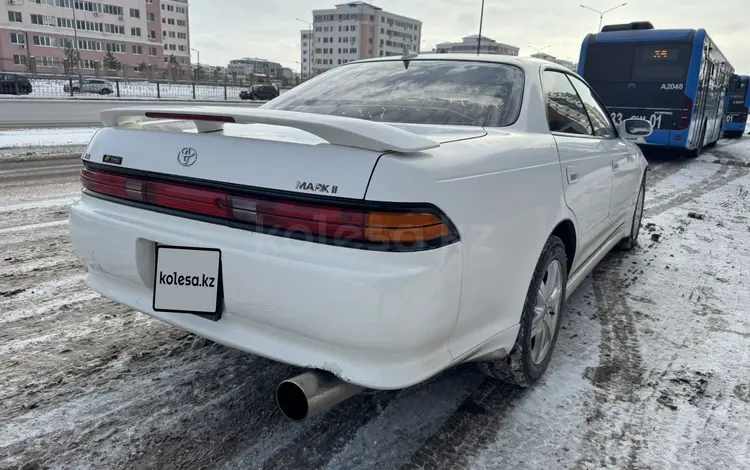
[625, 170]
[585, 160]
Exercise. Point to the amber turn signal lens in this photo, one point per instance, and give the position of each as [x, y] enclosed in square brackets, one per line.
[404, 227]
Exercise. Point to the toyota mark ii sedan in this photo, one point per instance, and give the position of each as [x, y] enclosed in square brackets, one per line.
[376, 225]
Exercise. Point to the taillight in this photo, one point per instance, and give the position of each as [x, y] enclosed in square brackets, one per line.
[687, 112]
[396, 229]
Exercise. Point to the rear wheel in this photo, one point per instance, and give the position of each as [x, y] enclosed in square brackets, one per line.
[632, 240]
[540, 320]
[696, 152]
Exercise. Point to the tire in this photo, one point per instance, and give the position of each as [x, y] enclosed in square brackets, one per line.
[529, 358]
[253, 97]
[105, 91]
[631, 241]
[76, 89]
[697, 152]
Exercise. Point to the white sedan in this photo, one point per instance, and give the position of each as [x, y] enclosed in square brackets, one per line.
[376, 225]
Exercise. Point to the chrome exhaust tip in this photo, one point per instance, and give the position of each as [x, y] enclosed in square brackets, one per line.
[312, 393]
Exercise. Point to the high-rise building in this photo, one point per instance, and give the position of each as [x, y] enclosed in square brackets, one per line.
[357, 30]
[306, 50]
[34, 34]
[469, 44]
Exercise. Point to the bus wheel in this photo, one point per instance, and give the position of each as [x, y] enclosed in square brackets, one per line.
[696, 152]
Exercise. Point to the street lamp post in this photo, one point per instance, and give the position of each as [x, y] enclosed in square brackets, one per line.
[198, 69]
[602, 13]
[481, 20]
[537, 49]
[75, 36]
[309, 46]
[301, 71]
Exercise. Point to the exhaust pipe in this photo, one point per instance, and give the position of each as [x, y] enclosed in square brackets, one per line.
[312, 393]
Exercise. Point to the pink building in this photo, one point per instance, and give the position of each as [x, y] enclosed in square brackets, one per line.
[352, 31]
[36, 33]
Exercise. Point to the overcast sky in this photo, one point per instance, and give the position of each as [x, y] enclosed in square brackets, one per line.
[229, 29]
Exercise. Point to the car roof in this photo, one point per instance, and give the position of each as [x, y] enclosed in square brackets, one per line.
[528, 64]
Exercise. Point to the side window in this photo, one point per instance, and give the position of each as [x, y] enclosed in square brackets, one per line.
[565, 111]
[600, 121]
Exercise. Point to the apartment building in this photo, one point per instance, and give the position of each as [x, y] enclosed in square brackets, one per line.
[35, 33]
[356, 30]
[469, 44]
[306, 53]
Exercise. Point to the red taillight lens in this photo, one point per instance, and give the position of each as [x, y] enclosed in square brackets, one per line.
[189, 199]
[291, 219]
[687, 113]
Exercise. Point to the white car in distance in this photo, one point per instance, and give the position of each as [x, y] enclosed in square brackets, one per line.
[378, 224]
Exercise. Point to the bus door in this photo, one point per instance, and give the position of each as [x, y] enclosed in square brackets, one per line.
[698, 121]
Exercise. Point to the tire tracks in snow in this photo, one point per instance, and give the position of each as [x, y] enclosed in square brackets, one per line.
[725, 175]
[618, 377]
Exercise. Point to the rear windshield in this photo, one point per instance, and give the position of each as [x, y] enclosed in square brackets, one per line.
[639, 63]
[426, 92]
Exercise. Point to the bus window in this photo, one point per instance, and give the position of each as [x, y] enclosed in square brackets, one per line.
[659, 63]
[738, 89]
[609, 63]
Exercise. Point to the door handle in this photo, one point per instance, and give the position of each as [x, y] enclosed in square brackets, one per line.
[572, 174]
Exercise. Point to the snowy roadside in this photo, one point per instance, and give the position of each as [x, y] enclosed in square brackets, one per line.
[18, 145]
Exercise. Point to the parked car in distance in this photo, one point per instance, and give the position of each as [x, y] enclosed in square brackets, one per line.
[375, 225]
[91, 85]
[260, 92]
[14, 84]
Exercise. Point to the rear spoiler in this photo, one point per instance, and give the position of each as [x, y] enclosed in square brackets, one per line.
[336, 130]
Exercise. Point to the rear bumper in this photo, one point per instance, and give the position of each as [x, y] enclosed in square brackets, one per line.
[674, 139]
[735, 126]
[380, 320]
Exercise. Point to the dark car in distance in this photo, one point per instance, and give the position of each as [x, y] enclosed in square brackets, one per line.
[260, 92]
[14, 84]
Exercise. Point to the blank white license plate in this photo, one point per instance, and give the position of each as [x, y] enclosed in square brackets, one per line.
[187, 280]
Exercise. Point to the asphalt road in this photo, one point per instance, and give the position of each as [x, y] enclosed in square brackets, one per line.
[25, 113]
[650, 370]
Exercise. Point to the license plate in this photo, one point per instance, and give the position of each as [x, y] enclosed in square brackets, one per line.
[188, 280]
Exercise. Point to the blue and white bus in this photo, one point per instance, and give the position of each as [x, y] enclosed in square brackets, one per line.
[737, 104]
[677, 78]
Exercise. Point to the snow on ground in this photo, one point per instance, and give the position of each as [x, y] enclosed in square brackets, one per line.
[650, 371]
[57, 137]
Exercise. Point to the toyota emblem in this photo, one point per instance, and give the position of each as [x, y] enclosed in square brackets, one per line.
[187, 156]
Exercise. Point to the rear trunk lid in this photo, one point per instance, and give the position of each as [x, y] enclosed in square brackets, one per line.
[277, 150]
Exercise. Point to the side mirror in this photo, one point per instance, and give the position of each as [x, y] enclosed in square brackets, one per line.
[635, 129]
